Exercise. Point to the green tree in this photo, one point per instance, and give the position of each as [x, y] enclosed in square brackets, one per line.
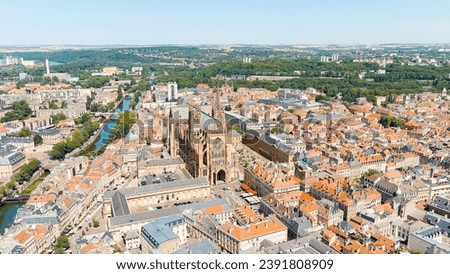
[276, 130]
[389, 121]
[148, 140]
[11, 185]
[386, 121]
[30, 188]
[390, 99]
[21, 83]
[143, 85]
[56, 118]
[110, 106]
[371, 172]
[63, 104]
[59, 151]
[137, 96]
[119, 94]
[88, 102]
[2, 190]
[58, 250]
[20, 111]
[63, 242]
[95, 223]
[117, 249]
[133, 103]
[37, 139]
[23, 132]
[78, 137]
[95, 81]
[52, 105]
[123, 126]
[321, 98]
[236, 128]
[83, 119]
[26, 171]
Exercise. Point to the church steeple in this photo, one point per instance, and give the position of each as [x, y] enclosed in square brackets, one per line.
[218, 109]
[218, 95]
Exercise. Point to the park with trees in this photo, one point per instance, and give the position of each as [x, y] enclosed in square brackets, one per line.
[87, 128]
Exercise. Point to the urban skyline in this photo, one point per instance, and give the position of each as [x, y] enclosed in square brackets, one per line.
[288, 127]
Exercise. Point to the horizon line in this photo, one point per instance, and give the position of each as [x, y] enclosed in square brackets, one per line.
[227, 44]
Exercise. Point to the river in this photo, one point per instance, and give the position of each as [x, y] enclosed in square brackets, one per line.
[8, 211]
[7, 214]
[104, 135]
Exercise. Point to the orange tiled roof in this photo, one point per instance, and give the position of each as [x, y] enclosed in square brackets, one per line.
[328, 234]
[68, 201]
[40, 231]
[246, 213]
[251, 231]
[370, 158]
[393, 174]
[374, 116]
[22, 237]
[42, 199]
[3, 129]
[356, 247]
[89, 247]
[360, 108]
[214, 209]
[383, 241]
[95, 175]
[343, 198]
[337, 231]
[384, 207]
[202, 85]
[308, 208]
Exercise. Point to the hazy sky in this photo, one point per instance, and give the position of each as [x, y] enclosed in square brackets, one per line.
[144, 22]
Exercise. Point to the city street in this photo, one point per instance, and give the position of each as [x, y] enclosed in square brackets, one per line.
[86, 225]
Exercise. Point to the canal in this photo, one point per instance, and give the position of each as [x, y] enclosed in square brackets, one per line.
[7, 214]
[104, 135]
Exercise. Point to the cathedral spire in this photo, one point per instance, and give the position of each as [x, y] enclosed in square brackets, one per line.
[218, 109]
[218, 95]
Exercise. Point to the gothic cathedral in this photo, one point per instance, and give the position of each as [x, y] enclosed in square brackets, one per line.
[201, 137]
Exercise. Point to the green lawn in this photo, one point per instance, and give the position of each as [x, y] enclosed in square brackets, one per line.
[35, 184]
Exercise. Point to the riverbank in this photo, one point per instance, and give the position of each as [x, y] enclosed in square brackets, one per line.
[7, 214]
[31, 187]
[8, 210]
[92, 140]
[90, 146]
[103, 137]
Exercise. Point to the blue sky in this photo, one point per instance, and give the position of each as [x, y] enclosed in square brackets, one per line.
[145, 22]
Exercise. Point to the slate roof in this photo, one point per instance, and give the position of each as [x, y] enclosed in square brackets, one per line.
[173, 185]
[10, 157]
[119, 204]
[141, 217]
[204, 246]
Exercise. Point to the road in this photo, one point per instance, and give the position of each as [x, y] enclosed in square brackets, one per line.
[86, 225]
[231, 191]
